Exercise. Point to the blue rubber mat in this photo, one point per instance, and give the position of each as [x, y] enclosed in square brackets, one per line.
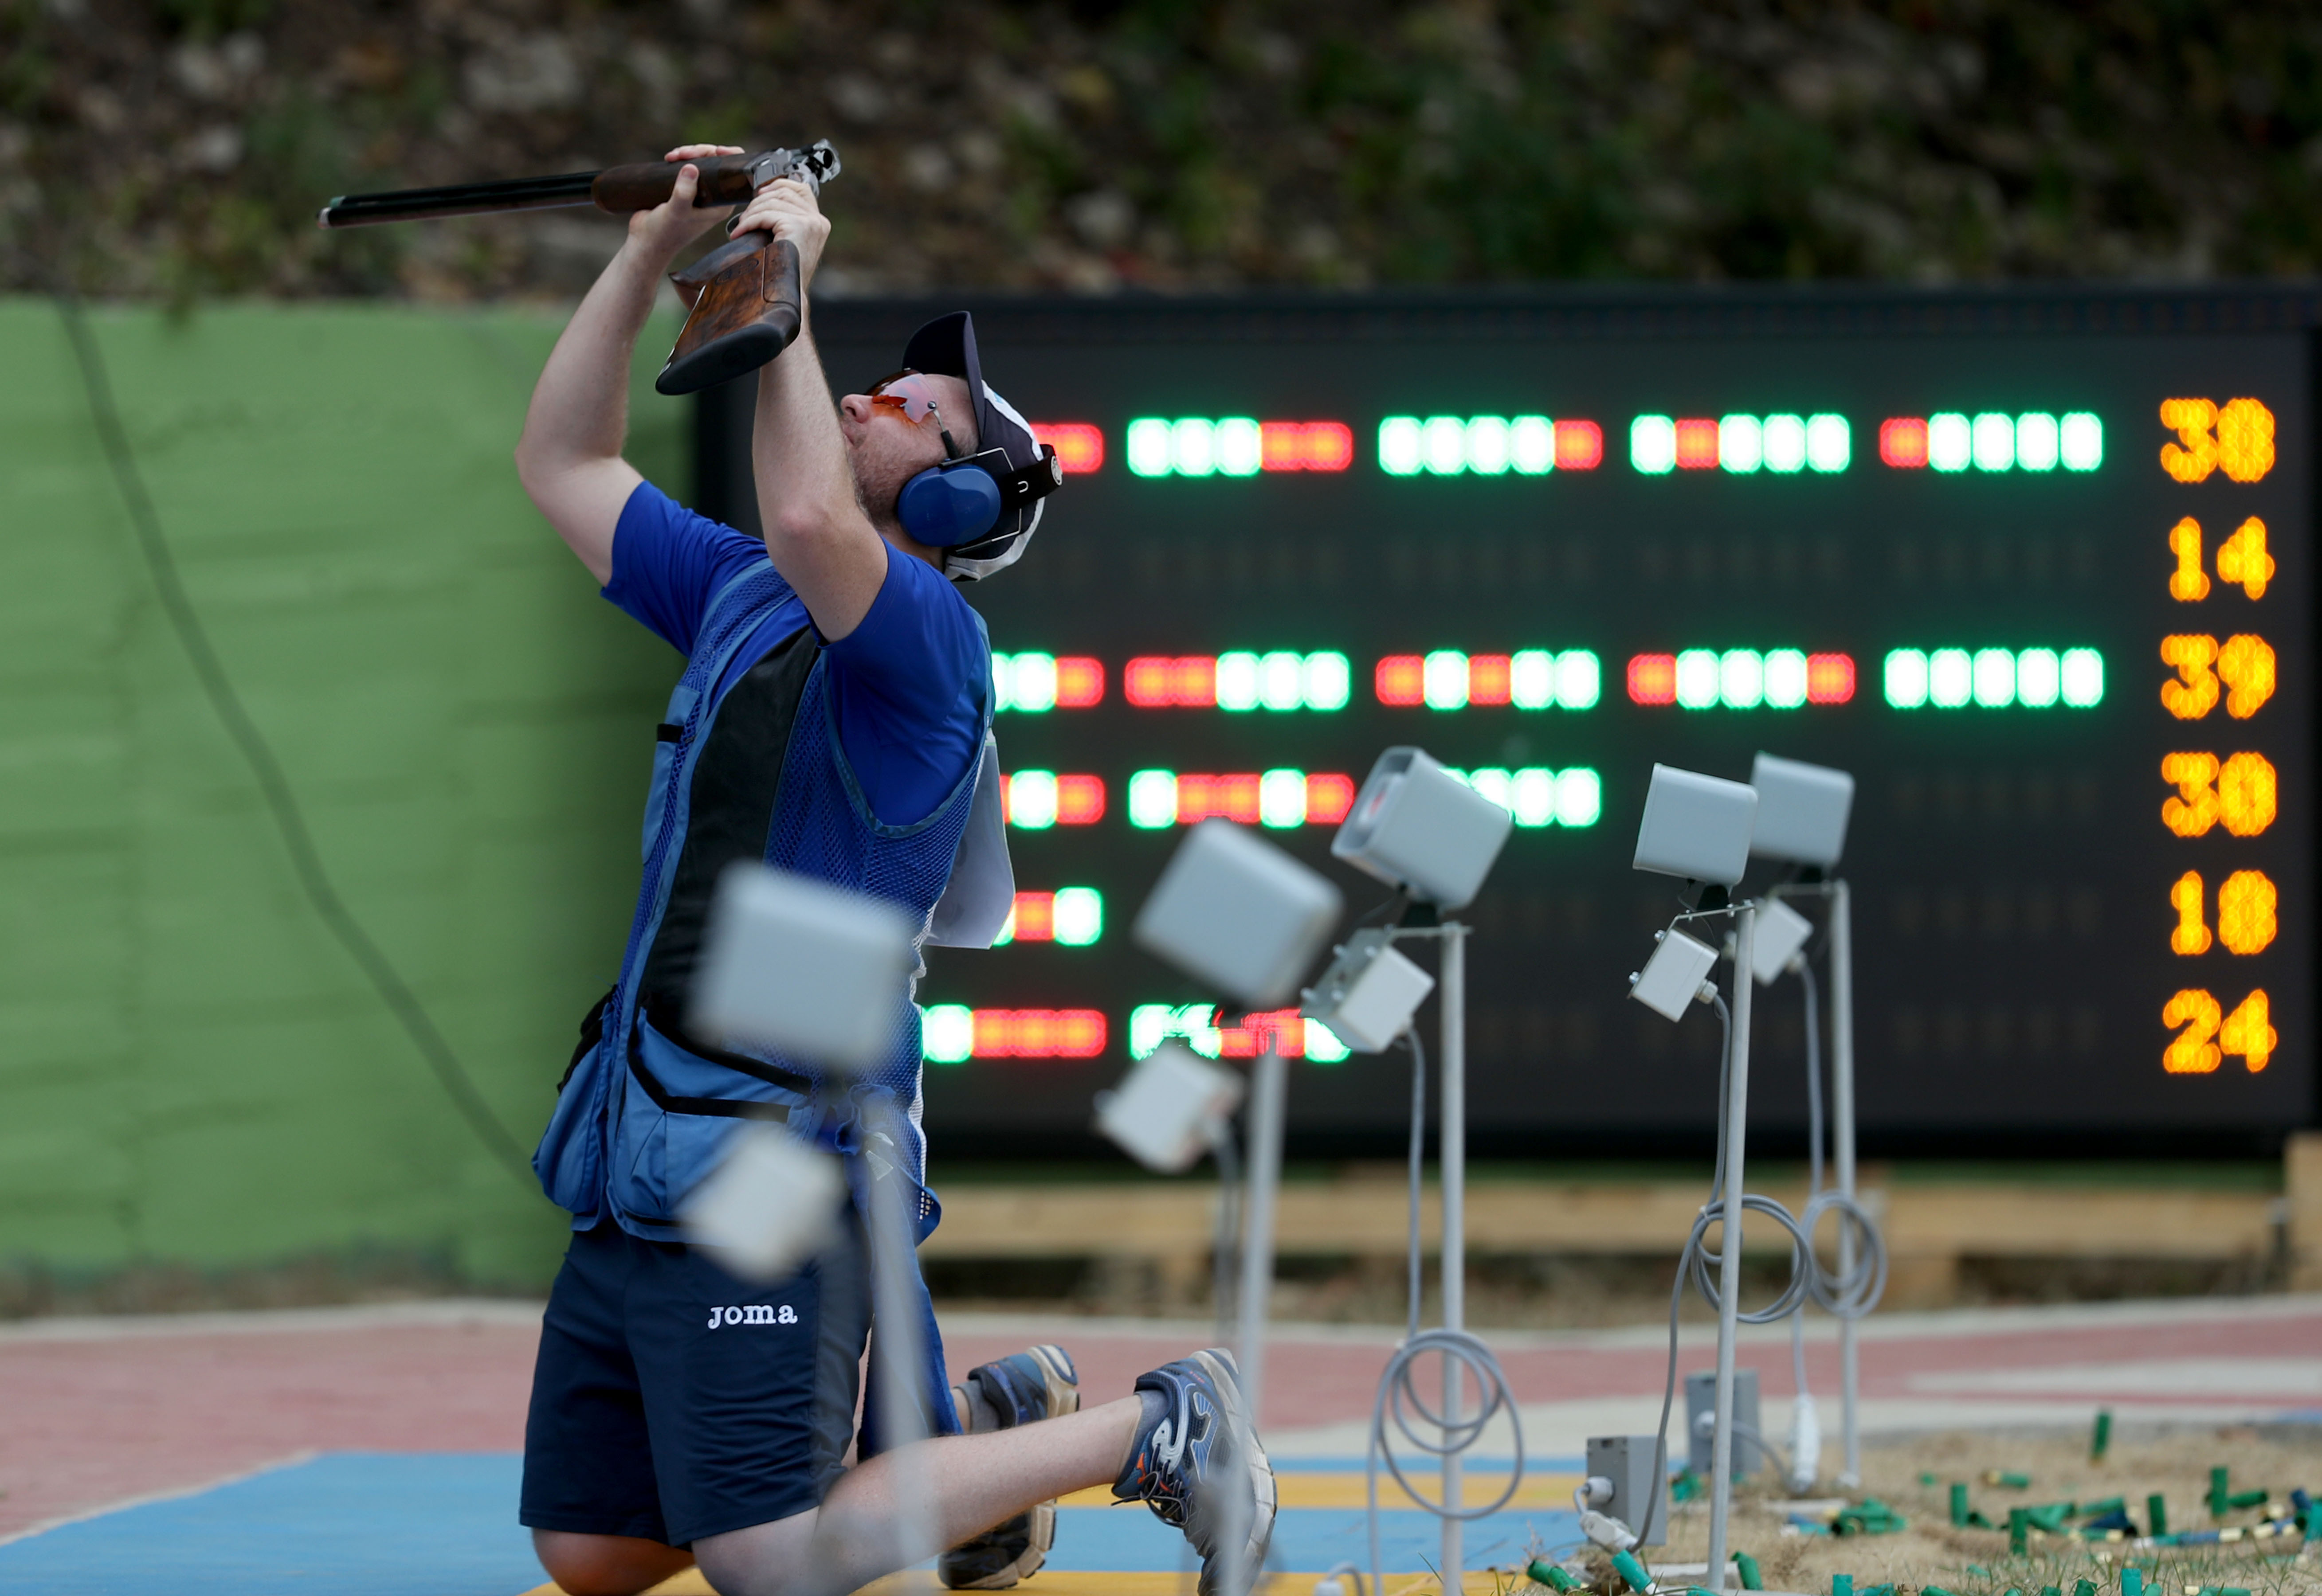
[348, 1524]
[444, 1524]
[1131, 1540]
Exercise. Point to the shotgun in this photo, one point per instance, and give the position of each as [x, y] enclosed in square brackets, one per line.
[741, 297]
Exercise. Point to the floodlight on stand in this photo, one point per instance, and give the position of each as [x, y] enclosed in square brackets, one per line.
[1782, 933]
[1696, 827]
[1233, 910]
[1421, 830]
[768, 1208]
[797, 965]
[1170, 1108]
[1675, 976]
[794, 964]
[1433, 838]
[1370, 993]
[1802, 811]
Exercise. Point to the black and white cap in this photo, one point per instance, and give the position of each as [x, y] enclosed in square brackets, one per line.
[945, 347]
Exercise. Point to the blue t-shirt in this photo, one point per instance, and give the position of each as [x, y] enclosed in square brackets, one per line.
[907, 684]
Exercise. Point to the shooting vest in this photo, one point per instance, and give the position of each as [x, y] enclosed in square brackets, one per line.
[755, 771]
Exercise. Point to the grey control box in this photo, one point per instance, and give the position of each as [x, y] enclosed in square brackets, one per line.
[1638, 1501]
[1701, 1416]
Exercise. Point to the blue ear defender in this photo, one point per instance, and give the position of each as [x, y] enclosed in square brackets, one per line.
[951, 504]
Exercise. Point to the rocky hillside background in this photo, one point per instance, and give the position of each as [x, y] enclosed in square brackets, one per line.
[178, 149]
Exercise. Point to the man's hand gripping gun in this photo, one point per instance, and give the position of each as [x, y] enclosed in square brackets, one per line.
[744, 296]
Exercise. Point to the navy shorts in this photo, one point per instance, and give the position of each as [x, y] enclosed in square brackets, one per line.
[672, 1401]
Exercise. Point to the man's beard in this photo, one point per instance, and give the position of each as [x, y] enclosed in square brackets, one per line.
[882, 515]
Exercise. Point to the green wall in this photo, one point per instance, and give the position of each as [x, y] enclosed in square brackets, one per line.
[192, 1071]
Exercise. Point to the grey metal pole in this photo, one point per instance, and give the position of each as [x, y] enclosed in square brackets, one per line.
[1841, 1106]
[899, 1351]
[1453, 1142]
[1269, 1078]
[1729, 1246]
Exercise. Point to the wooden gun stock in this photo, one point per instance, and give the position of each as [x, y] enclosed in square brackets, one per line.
[745, 310]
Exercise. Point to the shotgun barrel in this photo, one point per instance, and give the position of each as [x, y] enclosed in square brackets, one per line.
[725, 181]
[459, 199]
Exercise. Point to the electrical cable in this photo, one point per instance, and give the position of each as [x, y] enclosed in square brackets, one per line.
[273, 784]
[1399, 1397]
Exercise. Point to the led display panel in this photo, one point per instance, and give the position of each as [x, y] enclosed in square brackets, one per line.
[2034, 566]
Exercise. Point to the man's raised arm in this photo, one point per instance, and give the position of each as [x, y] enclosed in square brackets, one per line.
[817, 532]
[570, 456]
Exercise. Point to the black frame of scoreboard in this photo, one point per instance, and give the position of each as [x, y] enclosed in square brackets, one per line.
[1011, 1108]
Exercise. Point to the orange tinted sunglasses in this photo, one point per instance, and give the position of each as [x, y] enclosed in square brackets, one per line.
[915, 402]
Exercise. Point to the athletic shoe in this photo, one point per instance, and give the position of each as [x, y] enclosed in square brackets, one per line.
[1189, 1465]
[1021, 1389]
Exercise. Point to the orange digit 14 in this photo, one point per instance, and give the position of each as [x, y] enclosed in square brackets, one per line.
[2206, 1033]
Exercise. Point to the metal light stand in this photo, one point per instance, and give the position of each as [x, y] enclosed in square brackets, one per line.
[1452, 1142]
[1841, 1114]
[1729, 1244]
[1269, 1077]
[1842, 1105]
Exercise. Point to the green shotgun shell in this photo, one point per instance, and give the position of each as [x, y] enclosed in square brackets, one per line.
[2156, 1509]
[2101, 1440]
[2084, 1588]
[2011, 1480]
[2019, 1521]
[1841, 1585]
[2218, 1490]
[1626, 1565]
[1747, 1566]
[2247, 1498]
[2052, 1591]
[1959, 1503]
[1541, 1571]
[2131, 1581]
[2097, 1510]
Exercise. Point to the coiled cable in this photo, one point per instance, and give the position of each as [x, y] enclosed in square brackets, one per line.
[1398, 1393]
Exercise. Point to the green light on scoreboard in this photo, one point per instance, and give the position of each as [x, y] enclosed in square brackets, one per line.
[1994, 677]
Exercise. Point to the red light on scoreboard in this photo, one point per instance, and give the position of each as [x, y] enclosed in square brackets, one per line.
[1305, 445]
[1491, 678]
[1903, 441]
[1652, 679]
[1241, 795]
[1036, 916]
[1080, 681]
[1282, 1027]
[1328, 798]
[1080, 447]
[1080, 800]
[1830, 678]
[1157, 681]
[1697, 443]
[1579, 445]
[1230, 797]
[1401, 680]
[1038, 1033]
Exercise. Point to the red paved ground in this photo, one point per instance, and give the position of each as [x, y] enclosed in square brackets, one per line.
[96, 1416]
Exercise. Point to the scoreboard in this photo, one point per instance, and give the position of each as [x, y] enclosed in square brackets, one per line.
[2037, 568]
